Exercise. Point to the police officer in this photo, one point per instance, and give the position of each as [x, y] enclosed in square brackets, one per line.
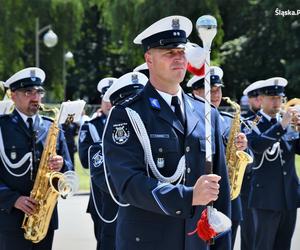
[154, 148]
[274, 182]
[247, 224]
[102, 87]
[22, 138]
[91, 132]
[254, 101]
[197, 84]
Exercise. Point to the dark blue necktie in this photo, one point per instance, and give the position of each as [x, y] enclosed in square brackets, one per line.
[273, 121]
[176, 104]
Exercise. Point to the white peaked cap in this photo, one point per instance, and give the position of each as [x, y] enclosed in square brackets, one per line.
[27, 77]
[131, 78]
[141, 67]
[105, 83]
[253, 86]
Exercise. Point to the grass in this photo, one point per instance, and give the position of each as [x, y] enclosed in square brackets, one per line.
[84, 175]
[298, 165]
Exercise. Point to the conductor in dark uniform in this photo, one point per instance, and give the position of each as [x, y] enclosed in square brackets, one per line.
[197, 84]
[274, 184]
[22, 138]
[91, 132]
[154, 148]
[247, 224]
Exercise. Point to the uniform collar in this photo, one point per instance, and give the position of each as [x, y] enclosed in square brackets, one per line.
[24, 117]
[269, 117]
[168, 98]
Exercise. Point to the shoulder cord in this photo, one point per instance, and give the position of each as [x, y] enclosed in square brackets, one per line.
[274, 151]
[105, 170]
[142, 135]
[93, 196]
[8, 164]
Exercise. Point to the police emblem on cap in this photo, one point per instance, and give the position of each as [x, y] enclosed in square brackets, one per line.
[120, 133]
[110, 82]
[32, 75]
[276, 83]
[175, 24]
[134, 79]
[97, 159]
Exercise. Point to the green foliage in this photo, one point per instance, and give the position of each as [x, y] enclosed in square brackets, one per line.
[252, 42]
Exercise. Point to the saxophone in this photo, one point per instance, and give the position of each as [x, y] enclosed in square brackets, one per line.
[47, 187]
[236, 160]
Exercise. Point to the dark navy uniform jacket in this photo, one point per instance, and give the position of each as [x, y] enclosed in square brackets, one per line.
[274, 183]
[236, 205]
[16, 140]
[161, 215]
[91, 134]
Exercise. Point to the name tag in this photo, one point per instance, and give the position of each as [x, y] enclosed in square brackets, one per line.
[164, 136]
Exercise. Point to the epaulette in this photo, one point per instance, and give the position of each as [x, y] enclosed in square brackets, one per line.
[130, 100]
[223, 113]
[47, 118]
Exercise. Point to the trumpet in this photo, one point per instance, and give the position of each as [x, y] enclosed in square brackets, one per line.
[295, 120]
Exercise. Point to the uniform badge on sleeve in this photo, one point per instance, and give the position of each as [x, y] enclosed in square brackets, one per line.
[97, 159]
[120, 134]
[82, 136]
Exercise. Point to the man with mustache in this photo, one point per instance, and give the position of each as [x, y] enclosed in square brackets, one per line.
[22, 138]
[154, 148]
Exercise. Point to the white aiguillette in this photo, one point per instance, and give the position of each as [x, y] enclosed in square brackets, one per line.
[71, 111]
[6, 106]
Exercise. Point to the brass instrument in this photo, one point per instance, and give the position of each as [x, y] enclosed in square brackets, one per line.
[296, 103]
[47, 187]
[236, 160]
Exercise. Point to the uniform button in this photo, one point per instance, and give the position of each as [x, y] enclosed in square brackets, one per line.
[187, 149]
[178, 212]
[160, 150]
[248, 177]
[257, 185]
[277, 133]
[188, 170]
[283, 161]
[284, 173]
[137, 239]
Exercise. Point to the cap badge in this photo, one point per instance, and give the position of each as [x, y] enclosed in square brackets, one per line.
[276, 83]
[110, 82]
[134, 79]
[212, 71]
[32, 75]
[175, 24]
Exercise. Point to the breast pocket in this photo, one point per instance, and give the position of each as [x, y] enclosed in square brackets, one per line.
[166, 154]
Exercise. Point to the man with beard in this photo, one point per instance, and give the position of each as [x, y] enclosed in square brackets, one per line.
[22, 138]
